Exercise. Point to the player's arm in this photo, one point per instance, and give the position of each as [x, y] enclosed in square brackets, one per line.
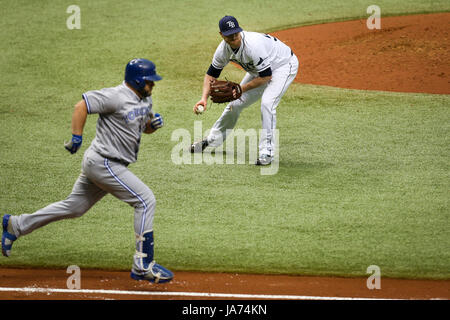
[148, 128]
[220, 59]
[264, 77]
[154, 123]
[207, 86]
[79, 116]
[211, 75]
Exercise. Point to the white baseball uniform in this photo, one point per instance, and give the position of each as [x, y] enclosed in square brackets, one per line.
[257, 54]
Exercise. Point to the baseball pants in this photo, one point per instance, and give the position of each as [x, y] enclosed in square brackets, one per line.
[99, 177]
[270, 95]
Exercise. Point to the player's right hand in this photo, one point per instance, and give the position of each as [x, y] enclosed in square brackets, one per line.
[73, 145]
[200, 103]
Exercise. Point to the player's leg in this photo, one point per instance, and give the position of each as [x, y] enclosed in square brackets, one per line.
[124, 185]
[277, 87]
[83, 196]
[230, 115]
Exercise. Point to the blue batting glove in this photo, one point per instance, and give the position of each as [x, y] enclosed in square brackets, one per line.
[73, 145]
[157, 121]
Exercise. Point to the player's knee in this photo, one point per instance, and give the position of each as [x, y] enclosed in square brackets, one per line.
[269, 106]
[74, 208]
[146, 200]
[77, 214]
[150, 199]
[77, 211]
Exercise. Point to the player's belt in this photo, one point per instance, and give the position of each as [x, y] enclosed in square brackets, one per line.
[292, 53]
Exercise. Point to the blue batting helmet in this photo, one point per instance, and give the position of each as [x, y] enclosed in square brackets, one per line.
[139, 70]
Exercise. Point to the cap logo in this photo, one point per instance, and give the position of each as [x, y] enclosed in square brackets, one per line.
[230, 24]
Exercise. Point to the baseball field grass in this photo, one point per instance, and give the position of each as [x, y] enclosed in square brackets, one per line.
[363, 177]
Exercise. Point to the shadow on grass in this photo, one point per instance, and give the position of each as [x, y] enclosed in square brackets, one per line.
[286, 167]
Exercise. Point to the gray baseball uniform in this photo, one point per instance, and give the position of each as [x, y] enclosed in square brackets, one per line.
[122, 119]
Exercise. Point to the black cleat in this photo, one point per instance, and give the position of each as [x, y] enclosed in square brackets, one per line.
[264, 160]
[199, 146]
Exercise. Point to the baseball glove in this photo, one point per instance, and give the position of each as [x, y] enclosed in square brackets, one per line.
[225, 91]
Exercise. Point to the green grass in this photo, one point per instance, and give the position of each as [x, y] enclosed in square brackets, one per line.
[363, 176]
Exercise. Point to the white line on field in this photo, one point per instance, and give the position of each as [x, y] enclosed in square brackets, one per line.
[180, 294]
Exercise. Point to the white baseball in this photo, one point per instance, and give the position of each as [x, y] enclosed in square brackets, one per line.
[200, 109]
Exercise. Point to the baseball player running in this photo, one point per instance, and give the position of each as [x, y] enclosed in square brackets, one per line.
[271, 67]
[125, 112]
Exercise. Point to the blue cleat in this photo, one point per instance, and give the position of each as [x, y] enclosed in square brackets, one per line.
[156, 274]
[7, 238]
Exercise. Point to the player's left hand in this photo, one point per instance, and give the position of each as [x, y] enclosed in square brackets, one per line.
[225, 91]
[157, 121]
[73, 145]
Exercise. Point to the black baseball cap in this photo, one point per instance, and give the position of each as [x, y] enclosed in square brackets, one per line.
[229, 25]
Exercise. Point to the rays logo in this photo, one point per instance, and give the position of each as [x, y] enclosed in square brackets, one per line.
[231, 24]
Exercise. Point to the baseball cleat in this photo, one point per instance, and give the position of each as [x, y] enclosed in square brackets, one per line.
[7, 237]
[156, 274]
[199, 146]
[264, 160]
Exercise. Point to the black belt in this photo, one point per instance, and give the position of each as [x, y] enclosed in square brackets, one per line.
[292, 53]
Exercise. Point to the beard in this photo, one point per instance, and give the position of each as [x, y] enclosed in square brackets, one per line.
[144, 93]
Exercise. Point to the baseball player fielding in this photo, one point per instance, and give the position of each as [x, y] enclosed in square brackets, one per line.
[270, 67]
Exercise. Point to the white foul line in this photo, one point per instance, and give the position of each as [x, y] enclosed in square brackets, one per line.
[181, 294]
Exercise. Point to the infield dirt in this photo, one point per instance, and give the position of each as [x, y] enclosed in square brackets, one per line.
[199, 282]
[408, 54]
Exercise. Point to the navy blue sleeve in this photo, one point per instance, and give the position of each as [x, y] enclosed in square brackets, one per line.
[213, 72]
[265, 73]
